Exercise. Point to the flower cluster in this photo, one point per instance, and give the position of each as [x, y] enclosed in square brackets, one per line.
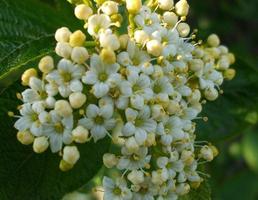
[137, 75]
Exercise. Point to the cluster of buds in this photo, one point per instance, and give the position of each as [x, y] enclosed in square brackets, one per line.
[144, 88]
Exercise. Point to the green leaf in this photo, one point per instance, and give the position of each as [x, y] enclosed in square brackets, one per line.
[202, 193]
[250, 149]
[30, 176]
[27, 33]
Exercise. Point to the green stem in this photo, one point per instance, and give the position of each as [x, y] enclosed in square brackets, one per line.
[90, 44]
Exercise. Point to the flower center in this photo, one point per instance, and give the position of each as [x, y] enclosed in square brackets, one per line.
[103, 77]
[59, 128]
[66, 76]
[43, 95]
[117, 191]
[148, 22]
[138, 122]
[157, 88]
[136, 88]
[34, 117]
[135, 157]
[99, 120]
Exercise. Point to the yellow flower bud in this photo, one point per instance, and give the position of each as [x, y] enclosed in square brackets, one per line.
[229, 74]
[133, 6]
[183, 29]
[27, 75]
[77, 99]
[213, 40]
[182, 8]
[79, 55]
[40, 144]
[71, 154]
[80, 134]
[65, 166]
[77, 38]
[25, 137]
[108, 56]
[46, 64]
[123, 39]
[83, 12]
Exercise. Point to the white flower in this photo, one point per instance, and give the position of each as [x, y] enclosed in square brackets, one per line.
[116, 190]
[59, 130]
[101, 76]
[31, 118]
[98, 23]
[98, 120]
[139, 125]
[133, 161]
[67, 77]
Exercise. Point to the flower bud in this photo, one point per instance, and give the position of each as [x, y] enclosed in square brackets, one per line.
[83, 12]
[211, 94]
[63, 49]
[136, 177]
[159, 176]
[40, 144]
[123, 39]
[110, 160]
[77, 38]
[131, 145]
[109, 7]
[109, 41]
[65, 166]
[231, 58]
[133, 6]
[206, 153]
[62, 34]
[223, 63]
[46, 64]
[80, 134]
[182, 8]
[77, 99]
[166, 4]
[170, 18]
[141, 37]
[183, 29]
[229, 74]
[27, 75]
[182, 189]
[154, 47]
[63, 108]
[173, 107]
[108, 56]
[151, 140]
[71, 154]
[25, 137]
[213, 40]
[79, 55]
[196, 65]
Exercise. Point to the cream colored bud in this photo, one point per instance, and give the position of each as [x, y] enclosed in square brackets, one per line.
[83, 12]
[79, 55]
[63, 108]
[211, 94]
[196, 65]
[136, 177]
[77, 38]
[166, 4]
[232, 58]
[206, 153]
[183, 29]
[182, 189]
[131, 144]
[80, 134]
[27, 75]
[229, 74]
[25, 137]
[64, 166]
[40, 144]
[63, 49]
[223, 63]
[154, 47]
[173, 107]
[108, 56]
[77, 99]
[109, 7]
[71, 154]
[110, 160]
[109, 41]
[62, 34]
[170, 18]
[214, 150]
[46, 64]
[151, 140]
[213, 40]
[133, 6]
[182, 8]
[123, 39]
[141, 37]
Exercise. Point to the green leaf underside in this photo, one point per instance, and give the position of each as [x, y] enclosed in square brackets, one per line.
[30, 176]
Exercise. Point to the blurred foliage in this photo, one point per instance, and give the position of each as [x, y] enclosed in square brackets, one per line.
[26, 30]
